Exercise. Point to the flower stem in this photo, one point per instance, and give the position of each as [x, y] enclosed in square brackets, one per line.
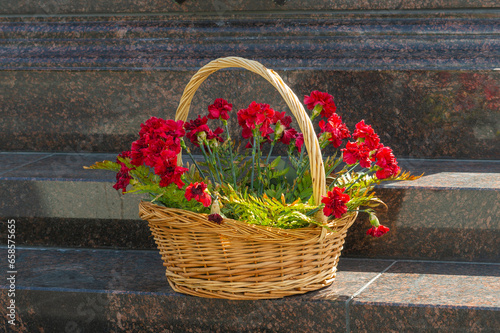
[218, 162]
[196, 164]
[231, 152]
[259, 171]
[300, 170]
[261, 190]
[361, 175]
[214, 157]
[270, 151]
[183, 145]
[208, 164]
[335, 165]
[360, 210]
[302, 167]
[253, 163]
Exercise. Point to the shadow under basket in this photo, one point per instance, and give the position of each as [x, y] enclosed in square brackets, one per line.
[241, 261]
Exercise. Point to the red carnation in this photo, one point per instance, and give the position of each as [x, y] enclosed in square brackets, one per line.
[216, 218]
[377, 231]
[299, 141]
[152, 152]
[157, 128]
[284, 133]
[137, 154]
[387, 163]
[323, 99]
[287, 135]
[336, 130]
[257, 115]
[219, 109]
[215, 135]
[198, 191]
[125, 154]
[195, 128]
[354, 152]
[122, 178]
[335, 202]
[365, 133]
[166, 167]
[156, 134]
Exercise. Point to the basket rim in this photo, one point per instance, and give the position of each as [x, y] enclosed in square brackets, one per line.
[197, 222]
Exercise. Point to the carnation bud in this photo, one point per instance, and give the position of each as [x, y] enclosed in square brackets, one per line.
[213, 143]
[374, 220]
[202, 136]
[316, 111]
[280, 128]
[324, 137]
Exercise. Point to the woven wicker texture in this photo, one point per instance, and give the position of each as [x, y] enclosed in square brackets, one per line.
[237, 260]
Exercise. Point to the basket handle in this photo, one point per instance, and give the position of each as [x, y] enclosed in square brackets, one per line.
[310, 139]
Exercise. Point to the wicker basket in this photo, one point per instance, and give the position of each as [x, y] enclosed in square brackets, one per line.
[237, 260]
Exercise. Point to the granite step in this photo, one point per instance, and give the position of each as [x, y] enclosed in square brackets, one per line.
[85, 290]
[420, 114]
[228, 7]
[427, 81]
[451, 213]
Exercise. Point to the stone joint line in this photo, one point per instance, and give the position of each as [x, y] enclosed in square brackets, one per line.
[349, 301]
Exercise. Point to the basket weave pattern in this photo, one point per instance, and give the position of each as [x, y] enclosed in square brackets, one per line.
[237, 260]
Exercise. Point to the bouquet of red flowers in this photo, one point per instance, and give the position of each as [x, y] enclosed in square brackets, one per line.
[251, 184]
[237, 221]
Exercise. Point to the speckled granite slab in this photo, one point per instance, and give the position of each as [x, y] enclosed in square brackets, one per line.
[430, 297]
[433, 40]
[224, 7]
[443, 114]
[451, 213]
[63, 290]
[426, 80]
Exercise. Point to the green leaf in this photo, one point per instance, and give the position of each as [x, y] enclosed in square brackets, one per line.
[105, 165]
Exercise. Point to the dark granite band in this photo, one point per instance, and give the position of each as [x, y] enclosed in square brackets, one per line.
[60, 7]
[380, 41]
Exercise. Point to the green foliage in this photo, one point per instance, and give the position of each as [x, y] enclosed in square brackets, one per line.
[104, 165]
[145, 181]
[267, 211]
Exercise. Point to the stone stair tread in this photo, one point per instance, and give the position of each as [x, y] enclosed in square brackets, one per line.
[451, 213]
[450, 174]
[99, 290]
[53, 166]
[69, 166]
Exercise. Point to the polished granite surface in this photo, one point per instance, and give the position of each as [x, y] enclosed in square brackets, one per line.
[415, 112]
[427, 81]
[107, 290]
[224, 7]
[430, 296]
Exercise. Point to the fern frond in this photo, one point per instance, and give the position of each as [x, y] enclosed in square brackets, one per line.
[104, 165]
